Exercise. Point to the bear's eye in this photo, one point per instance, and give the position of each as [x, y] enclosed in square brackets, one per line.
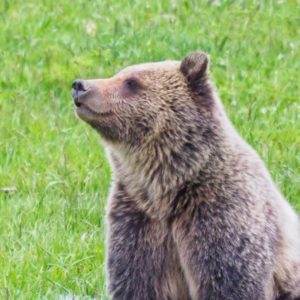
[131, 84]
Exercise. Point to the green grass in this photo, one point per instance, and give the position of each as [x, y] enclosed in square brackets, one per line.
[52, 227]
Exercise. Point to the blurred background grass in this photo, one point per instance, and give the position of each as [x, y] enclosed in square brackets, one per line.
[51, 222]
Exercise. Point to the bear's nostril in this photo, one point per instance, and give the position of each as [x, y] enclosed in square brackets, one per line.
[79, 85]
[79, 89]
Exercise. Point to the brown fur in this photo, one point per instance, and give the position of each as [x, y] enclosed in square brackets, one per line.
[193, 212]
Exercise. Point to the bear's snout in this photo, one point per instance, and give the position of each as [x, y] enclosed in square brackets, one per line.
[79, 89]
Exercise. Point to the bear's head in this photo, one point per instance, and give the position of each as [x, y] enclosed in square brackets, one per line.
[143, 102]
[162, 123]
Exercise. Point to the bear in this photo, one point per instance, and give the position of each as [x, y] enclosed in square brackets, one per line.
[192, 211]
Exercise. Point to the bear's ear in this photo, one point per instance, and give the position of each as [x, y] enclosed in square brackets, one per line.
[195, 68]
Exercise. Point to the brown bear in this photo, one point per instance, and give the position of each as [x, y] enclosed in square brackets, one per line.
[192, 213]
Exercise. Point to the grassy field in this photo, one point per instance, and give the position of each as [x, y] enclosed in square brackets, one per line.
[54, 177]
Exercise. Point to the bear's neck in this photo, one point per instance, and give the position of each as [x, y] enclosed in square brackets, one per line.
[154, 174]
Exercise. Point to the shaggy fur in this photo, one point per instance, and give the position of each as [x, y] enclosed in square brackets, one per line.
[193, 212]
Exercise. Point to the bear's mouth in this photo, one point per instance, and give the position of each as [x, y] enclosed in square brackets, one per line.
[80, 107]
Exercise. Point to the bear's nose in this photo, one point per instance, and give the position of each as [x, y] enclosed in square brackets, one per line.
[79, 88]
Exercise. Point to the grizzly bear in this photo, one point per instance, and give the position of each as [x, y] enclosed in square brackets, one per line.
[192, 213]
